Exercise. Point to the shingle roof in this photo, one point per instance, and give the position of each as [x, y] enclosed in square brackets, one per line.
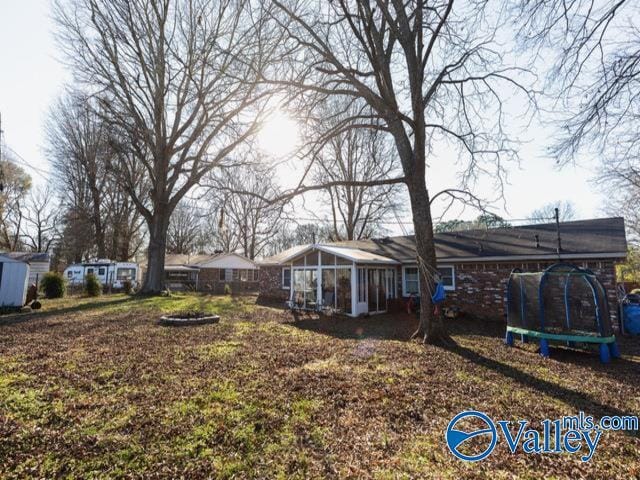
[194, 260]
[278, 258]
[27, 256]
[605, 236]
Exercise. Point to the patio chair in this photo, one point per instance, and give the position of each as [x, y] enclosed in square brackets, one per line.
[328, 302]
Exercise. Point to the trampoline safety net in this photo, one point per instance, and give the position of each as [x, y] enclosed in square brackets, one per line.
[563, 299]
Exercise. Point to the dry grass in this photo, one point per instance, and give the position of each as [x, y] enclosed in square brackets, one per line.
[96, 389]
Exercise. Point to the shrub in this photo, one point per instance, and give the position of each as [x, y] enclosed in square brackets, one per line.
[53, 285]
[127, 286]
[92, 286]
[227, 289]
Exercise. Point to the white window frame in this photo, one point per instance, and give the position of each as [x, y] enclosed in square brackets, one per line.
[448, 288]
[228, 274]
[284, 287]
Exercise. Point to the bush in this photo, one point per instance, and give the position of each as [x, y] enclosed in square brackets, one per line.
[227, 289]
[127, 287]
[92, 286]
[53, 285]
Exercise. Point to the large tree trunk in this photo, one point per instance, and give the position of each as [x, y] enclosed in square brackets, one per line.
[96, 217]
[430, 328]
[154, 279]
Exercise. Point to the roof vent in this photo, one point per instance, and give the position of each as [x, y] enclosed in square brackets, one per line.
[480, 249]
[537, 237]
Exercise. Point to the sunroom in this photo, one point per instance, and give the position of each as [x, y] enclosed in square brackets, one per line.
[341, 279]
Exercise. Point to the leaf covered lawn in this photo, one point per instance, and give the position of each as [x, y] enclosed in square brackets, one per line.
[96, 389]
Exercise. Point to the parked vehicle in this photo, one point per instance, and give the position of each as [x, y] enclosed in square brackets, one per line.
[109, 273]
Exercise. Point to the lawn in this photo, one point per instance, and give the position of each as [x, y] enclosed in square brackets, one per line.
[94, 388]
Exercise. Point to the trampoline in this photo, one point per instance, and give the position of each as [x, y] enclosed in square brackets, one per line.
[563, 303]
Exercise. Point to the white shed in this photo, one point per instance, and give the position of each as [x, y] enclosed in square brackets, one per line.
[14, 281]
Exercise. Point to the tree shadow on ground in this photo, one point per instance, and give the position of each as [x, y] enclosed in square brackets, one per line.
[388, 326]
[577, 399]
[39, 315]
[384, 327]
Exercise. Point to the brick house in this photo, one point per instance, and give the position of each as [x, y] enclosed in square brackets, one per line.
[374, 276]
[210, 273]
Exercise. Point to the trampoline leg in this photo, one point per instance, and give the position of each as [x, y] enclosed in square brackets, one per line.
[613, 350]
[508, 339]
[544, 347]
[604, 353]
[524, 338]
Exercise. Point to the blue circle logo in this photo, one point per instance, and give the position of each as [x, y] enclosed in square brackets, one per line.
[456, 438]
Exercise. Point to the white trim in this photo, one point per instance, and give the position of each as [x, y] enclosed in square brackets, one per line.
[215, 262]
[448, 288]
[404, 279]
[339, 251]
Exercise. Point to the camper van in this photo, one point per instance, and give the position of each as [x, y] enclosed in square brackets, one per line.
[109, 273]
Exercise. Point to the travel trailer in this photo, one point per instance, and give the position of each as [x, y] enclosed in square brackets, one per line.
[109, 273]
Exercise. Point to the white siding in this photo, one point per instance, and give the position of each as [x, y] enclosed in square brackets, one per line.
[230, 261]
[37, 269]
[13, 285]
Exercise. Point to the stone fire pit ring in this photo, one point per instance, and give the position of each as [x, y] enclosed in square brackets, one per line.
[183, 320]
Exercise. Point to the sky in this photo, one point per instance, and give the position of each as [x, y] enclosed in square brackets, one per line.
[32, 77]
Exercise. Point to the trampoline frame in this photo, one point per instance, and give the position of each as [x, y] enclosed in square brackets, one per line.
[607, 344]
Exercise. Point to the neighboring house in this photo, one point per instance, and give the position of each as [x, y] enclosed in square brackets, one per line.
[368, 276]
[210, 273]
[39, 263]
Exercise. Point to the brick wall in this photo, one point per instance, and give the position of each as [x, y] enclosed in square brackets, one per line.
[481, 288]
[209, 281]
[270, 284]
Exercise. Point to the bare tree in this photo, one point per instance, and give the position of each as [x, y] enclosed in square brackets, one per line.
[16, 184]
[353, 156]
[78, 146]
[622, 187]
[41, 218]
[253, 220]
[594, 46]
[426, 72]
[546, 213]
[124, 224]
[184, 229]
[76, 237]
[178, 80]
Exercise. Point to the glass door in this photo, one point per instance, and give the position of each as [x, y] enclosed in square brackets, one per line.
[378, 289]
[372, 277]
[304, 284]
